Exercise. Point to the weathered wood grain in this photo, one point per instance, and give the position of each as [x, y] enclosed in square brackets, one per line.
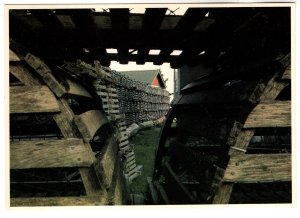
[76, 90]
[258, 168]
[44, 71]
[32, 99]
[287, 73]
[89, 122]
[13, 56]
[223, 194]
[49, 154]
[58, 201]
[65, 120]
[107, 164]
[242, 142]
[270, 114]
[24, 75]
[273, 88]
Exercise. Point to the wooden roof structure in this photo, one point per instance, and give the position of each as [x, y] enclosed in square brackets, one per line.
[145, 76]
[215, 36]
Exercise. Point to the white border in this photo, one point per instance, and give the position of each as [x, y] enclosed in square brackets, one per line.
[224, 211]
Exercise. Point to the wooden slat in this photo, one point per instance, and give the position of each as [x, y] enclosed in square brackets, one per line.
[49, 154]
[271, 114]
[89, 122]
[242, 142]
[32, 99]
[22, 73]
[44, 71]
[58, 201]
[107, 163]
[273, 88]
[223, 194]
[258, 168]
[13, 56]
[287, 73]
[64, 120]
[77, 90]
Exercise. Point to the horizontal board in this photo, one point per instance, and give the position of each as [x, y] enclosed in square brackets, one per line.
[49, 154]
[89, 122]
[58, 201]
[258, 168]
[270, 114]
[32, 99]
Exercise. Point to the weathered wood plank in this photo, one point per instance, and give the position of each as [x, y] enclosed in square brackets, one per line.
[49, 154]
[77, 90]
[13, 56]
[242, 142]
[64, 120]
[24, 75]
[89, 179]
[223, 194]
[270, 114]
[58, 201]
[287, 73]
[258, 168]
[273, 88]
[32, 99]
[89, 122]
[107, 163]
[41, 68]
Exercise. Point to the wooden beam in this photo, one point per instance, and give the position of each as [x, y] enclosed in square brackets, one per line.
[13, 57]
[58, 201]
[89, 122]
[107, 163]
[22, 73]
[287, 73]
[223, 194]
[76, 89]
[32, 99]
[273, 88]
[49, 154]
[65, 120]
[270, 114]
[43, 70]
[258, 168]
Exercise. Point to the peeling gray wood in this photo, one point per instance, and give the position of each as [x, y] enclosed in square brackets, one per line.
[49, 154]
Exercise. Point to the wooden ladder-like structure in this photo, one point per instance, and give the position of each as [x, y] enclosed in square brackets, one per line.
[36, 91]
[258, 168]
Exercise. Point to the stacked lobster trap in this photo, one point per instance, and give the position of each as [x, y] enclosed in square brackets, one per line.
[124, 101]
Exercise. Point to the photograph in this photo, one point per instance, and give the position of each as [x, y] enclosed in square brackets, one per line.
[150, 104]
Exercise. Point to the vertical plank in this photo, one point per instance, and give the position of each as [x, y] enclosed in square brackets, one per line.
[65, 121]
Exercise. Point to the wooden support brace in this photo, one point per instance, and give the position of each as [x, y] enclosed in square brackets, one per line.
[42, 69]
[89, 122]
[22, 73]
